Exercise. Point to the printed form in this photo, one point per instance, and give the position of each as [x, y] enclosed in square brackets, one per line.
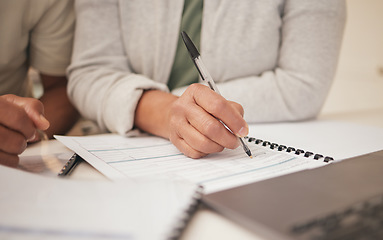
[149, 156]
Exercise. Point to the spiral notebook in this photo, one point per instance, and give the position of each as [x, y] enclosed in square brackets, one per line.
[120, 157]
[37, 207]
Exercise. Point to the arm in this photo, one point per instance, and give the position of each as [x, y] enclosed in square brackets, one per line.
[105, 89]
[58, 109]
[19, 120]
[102, 84]
[311, 36]
[307, 37]
[50, 50]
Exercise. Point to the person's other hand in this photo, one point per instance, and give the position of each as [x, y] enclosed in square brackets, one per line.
[19, 120]
[194, 126]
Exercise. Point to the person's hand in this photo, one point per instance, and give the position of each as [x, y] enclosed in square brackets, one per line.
[19, 120]
[194, 126]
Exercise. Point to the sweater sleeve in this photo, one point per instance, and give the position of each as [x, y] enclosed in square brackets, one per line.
[101, 84]
[51, 38]
[310, 40]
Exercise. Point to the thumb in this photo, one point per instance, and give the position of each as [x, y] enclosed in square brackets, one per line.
[34, 109]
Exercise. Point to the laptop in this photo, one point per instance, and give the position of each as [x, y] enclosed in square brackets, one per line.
[342, 200]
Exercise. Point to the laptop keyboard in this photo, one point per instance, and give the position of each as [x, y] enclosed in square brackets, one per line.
[363, 220]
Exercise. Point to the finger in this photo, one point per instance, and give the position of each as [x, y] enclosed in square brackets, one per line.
[177, 123]
[238, 107]
[211, 128]
[198, 141]
[34, 109]
[15, 142]
[220, 108]
[184, 147]
[15, 118]
[9, 160]
[38, 119]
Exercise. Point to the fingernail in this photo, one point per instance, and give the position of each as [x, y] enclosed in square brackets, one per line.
[34, 136]
[243, 132]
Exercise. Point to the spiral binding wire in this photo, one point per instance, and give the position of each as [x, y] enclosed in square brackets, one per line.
[278, 147]
[186, 216]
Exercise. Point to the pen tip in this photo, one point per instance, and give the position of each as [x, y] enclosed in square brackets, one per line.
[248, 152]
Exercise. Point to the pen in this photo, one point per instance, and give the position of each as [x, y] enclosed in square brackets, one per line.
[42, 135]
[202, 70]
[70, 165]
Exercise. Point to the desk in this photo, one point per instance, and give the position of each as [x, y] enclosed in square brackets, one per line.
[205, 224]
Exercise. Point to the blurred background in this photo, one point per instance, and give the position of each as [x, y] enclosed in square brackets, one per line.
[358, 85]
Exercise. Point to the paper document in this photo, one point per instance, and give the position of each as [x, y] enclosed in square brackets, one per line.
[37, 207]
[120, 157]
[340, 140]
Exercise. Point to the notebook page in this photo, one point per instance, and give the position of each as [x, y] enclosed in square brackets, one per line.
[118, 157]
[340, 140]
[38, 207]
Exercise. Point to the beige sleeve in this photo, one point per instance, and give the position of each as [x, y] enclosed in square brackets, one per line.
[52, 37]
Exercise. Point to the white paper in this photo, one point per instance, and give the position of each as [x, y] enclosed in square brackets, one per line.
[340, 140]
[120, 157]
[37, 207]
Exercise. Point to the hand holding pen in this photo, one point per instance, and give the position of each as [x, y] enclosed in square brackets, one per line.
[193, 121]
[202, 70]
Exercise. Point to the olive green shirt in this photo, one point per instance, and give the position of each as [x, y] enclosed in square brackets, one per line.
[184, 72]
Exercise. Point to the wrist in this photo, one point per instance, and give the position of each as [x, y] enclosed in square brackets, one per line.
[152, 112]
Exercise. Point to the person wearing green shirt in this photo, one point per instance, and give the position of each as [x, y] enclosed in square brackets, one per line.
[271, 60]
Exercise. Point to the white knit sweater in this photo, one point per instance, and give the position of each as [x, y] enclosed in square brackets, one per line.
[275, 57]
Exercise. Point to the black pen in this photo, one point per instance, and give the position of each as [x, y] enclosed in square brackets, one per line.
[196, 57]
[70, 165]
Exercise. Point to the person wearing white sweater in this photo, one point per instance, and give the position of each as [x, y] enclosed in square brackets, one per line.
[272, 61]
